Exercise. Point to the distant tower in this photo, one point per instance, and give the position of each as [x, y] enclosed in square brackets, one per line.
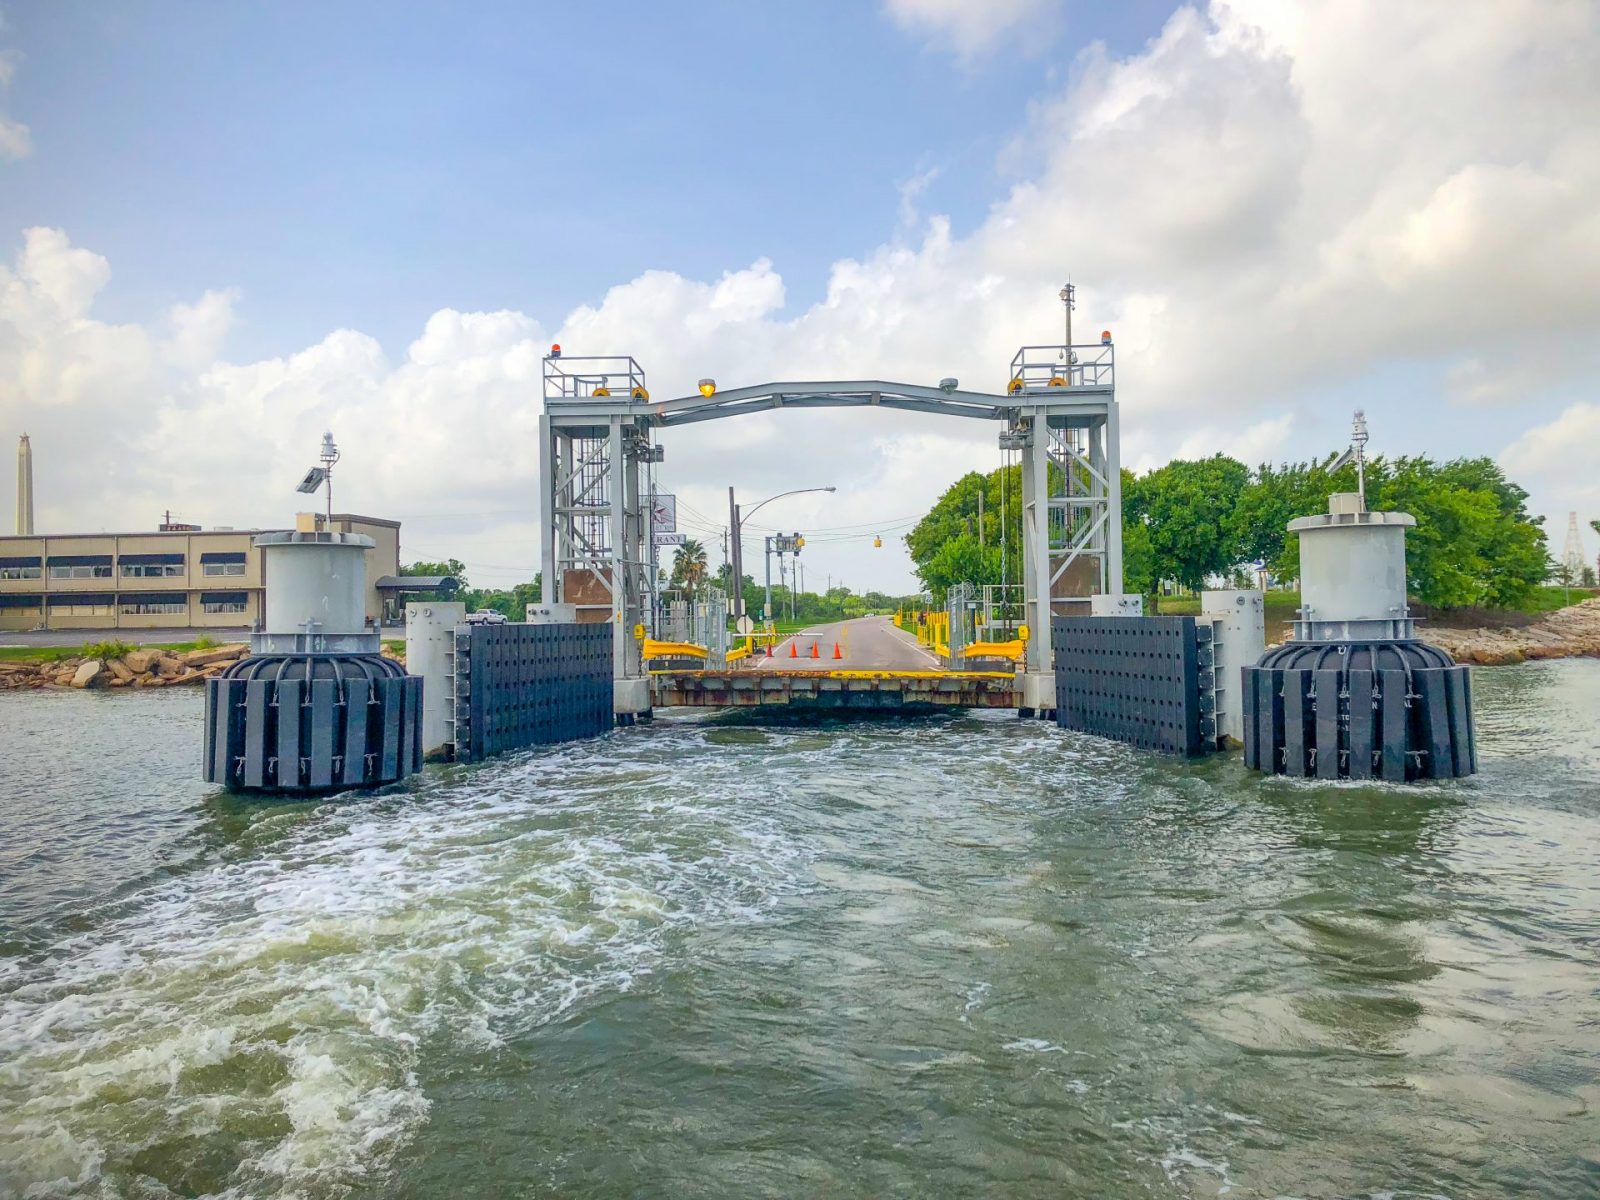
[1572, 555]
[24, 487]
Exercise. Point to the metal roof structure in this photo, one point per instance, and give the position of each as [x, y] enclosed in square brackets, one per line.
[596, 436]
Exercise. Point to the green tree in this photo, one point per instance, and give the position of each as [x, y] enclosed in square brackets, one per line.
[1186, 509]
[1138, 555]
[453, 567]
[1475, 542]
[1512, 546]
[1274, 497]
[992, 556]
[689, 567]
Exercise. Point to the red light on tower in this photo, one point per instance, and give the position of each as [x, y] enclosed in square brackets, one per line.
[555, 350]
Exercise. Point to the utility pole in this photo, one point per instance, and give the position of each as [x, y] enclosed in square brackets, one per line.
[736, 540]
[766, 614]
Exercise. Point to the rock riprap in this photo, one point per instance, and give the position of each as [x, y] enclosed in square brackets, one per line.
[153, 668]
[150, 668]
[1566, 633]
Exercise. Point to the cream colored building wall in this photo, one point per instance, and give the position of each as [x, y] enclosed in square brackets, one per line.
[20, 618]
[22, 547]
[383, 560]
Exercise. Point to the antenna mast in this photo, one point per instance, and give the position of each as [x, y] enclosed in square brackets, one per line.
[1358, 439]
[318, 476]
[329, 456]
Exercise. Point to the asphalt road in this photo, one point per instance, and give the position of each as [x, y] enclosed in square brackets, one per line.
[866, 643]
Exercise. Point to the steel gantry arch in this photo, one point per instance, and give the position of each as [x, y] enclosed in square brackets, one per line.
[596, 438]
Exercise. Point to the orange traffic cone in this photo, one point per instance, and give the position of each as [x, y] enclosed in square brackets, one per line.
[836, 653]
[793, 651]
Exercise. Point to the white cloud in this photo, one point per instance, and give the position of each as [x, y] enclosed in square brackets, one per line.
[1266, 202]
[198, 329]
[1558, 456]
[969, 28]
[1255, 444]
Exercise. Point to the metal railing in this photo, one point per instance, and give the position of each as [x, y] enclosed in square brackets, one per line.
[1041, 368]
[594, 378]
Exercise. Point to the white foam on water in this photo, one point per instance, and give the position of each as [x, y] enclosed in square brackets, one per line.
[277, 1009]
[976, 995]
[1180, 1156]
[1180, 1159]
[1035, 1046]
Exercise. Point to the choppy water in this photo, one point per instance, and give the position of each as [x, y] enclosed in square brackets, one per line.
[952, 957]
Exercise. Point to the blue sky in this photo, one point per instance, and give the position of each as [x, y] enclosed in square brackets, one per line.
[224, 229]
[363, 164]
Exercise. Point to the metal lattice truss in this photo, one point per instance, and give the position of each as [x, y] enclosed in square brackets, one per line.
[595, 435]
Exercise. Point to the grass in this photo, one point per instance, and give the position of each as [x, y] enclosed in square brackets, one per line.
[1281, 609]
[1550, 598]
[109, 649]
[1282, 606]
[33, 654]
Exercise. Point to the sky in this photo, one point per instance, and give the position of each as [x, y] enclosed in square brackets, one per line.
[226, 228]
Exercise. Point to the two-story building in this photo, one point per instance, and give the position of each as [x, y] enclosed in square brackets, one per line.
[171, 578]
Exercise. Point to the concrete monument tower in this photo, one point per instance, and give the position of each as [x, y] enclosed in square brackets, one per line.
[24, 488]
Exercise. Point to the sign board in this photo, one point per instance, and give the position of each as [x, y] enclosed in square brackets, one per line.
[745, 626]
[664, 515]
[671, 539]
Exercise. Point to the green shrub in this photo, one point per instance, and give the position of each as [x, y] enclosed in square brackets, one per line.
[112, 649]
[206, 643]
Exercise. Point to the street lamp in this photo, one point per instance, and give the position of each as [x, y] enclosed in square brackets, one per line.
[736, 519]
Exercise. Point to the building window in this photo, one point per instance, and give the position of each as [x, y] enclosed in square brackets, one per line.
[222, 568]
[151, 566]
[79, 571]
[69, 608]
[21, 572]
[141, 608]
[29, 603]
[223, 602]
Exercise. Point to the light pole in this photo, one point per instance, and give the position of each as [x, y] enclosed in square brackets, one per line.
[736, 517]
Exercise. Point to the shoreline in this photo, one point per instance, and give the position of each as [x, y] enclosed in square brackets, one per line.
[1572, 632]
[152, 667]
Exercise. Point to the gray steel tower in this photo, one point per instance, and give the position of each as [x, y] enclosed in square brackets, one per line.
[24, 487]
